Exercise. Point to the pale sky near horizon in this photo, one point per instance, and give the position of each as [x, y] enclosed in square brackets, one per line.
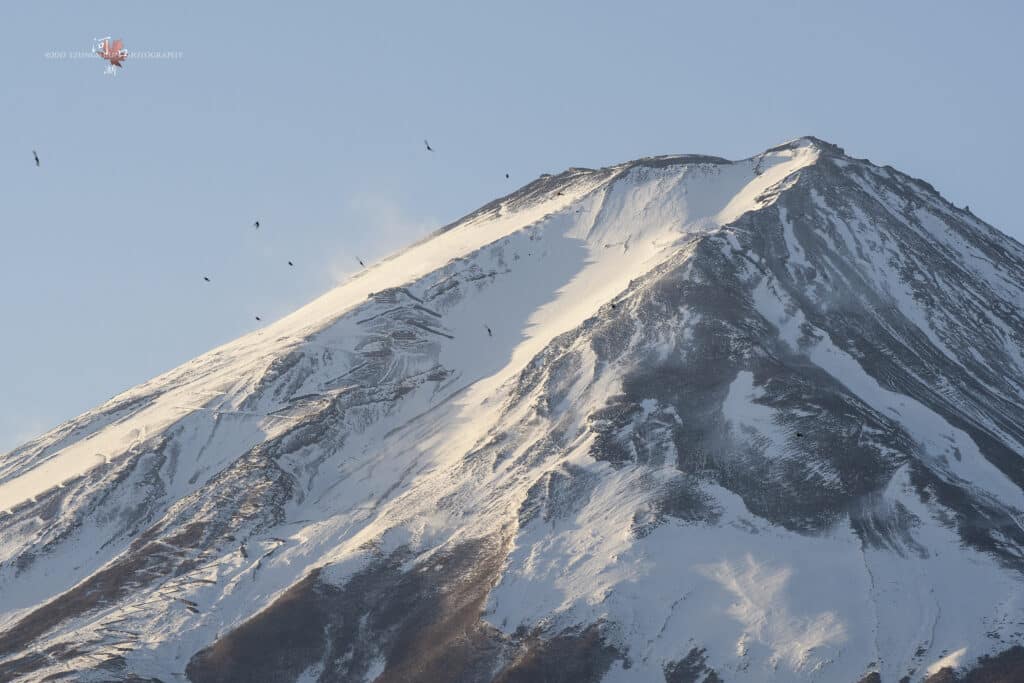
[311, 117]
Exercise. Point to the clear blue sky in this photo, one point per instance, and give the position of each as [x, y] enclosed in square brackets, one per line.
[310, 117]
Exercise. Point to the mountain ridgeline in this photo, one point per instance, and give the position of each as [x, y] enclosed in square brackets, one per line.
[680, 419]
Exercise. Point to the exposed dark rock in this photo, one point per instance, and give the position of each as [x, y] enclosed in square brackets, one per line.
[692, 668]
[566, 658]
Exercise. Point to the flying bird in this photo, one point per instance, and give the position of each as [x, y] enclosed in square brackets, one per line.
[290, 263]
[206, 278]
[489, 333]
[800, 434]
[257, 318]
[560, 193]
[429, 148]
[506, 176]
[256, 225]
[36, 157]
[360, 262]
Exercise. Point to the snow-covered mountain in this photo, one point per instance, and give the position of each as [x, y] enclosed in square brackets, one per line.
[681, 419]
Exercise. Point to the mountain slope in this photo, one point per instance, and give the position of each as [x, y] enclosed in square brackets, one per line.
[681, 419]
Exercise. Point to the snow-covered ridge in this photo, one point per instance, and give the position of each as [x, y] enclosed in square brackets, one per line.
[593, 216]
[680, 418]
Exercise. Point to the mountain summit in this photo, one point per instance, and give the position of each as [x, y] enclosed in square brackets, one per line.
[680, 419]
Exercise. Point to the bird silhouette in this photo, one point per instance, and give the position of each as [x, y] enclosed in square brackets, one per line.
[36, 157]
[506, 176]
[800, 434]
[257, 318]
[256, 225]
[290, 263]
[560, 193]
[489, 333]
[360, 262]
[429, 148]
[206, 278]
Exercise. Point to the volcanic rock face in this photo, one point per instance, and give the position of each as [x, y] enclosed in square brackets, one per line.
[681, 419]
